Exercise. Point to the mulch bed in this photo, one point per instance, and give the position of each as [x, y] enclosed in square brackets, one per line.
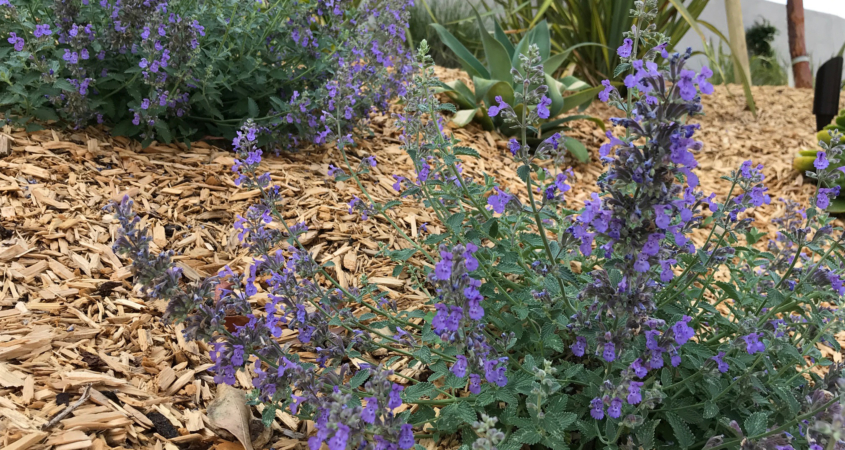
[68, 315]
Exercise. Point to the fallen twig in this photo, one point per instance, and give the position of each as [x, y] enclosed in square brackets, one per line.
[85, 394]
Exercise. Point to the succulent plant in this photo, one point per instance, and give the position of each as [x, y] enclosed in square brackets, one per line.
[804, 161]
[495, 80]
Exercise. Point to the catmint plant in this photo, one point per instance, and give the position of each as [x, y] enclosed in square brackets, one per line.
[170, 70]
[658, 341]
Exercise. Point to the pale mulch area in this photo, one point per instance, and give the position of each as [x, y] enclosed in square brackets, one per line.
[68, 317]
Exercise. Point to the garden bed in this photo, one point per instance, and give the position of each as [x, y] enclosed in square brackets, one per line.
[68, 317]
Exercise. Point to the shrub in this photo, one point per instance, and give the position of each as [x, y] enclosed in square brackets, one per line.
[182, 70]
[602, 23]
[457, 17]
[658, 343]
[496, 82]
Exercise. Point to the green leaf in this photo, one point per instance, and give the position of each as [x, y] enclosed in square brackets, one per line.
[554, 93]
[500, 35]
[645, 434]
[682, 432]
[252, 108]
[577, 149]
[460, 410]
[540, 36]
[455, 221]
[710, 410]
[417, 391]
[575, 100]
[468, 61]
[402, 255]
[466, 151]
[447, 107]
[64, 85]
[359, 378]
[527, 436]
[756, 424]
[463, 117]
[621, 68]
[163, 132]
[462, 94]
[498, 61]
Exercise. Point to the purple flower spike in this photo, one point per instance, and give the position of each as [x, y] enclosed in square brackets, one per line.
[615, 408]
[609, 353]
[634, 395]
[580, 346]
[721, 364]
[459, 368]
[395, 400]
[624, 50]
[597, 409]
[494, 110]
[821, 161]
[543, 107]
[683, 332]
[753, 344]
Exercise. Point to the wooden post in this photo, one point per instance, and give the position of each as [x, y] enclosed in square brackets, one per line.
[797, 47]
[736, 33]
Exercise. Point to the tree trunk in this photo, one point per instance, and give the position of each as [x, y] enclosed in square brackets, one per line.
[797, 48]
[736, 34]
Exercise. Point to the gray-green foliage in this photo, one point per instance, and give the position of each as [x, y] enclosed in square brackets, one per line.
[494, 79]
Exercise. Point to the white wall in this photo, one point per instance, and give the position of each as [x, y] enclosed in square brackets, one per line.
[824, 33]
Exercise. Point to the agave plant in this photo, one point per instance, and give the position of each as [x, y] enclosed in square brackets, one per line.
[495, 80]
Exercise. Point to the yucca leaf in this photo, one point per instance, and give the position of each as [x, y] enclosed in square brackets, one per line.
[555, 94]
[502, 89]
[575, 100]
[577, 149]
[498, 61]
[463, 117]
[540, 36]
[548, 126]
[462, 94]
[468, 61]
[503, 39]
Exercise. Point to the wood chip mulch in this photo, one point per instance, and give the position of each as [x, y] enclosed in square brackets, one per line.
[70, 319]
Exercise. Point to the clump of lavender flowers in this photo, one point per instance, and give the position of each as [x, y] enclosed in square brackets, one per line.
[660, 342]
[171, 70]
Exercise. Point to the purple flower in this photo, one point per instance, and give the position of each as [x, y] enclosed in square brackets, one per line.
[438, 323]
[42, 30]
[609, 353]
[634, 395]
[666, 273]
[651, 340]
[823, 199]
[494, 110]
[753, 344]
[475, 383]
[294, 406]
[543, 107]
[624, 50]
[338, 441]
[395, 397]
[639, 370]
[459, 368]
[406, 437]
[615, 408]
[597, 409]
[686, 85]
[674, 357]
[721, 364]
[513, 146]
[604, 95]
[370, 161]
[443, 269]
[499, 200]
[368, 414]
[16, 41]
[397, 186]
[682, 331]
[703, 85]
[820, 163]
[580, 346]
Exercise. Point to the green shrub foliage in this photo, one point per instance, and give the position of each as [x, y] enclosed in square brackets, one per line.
[657, 342]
